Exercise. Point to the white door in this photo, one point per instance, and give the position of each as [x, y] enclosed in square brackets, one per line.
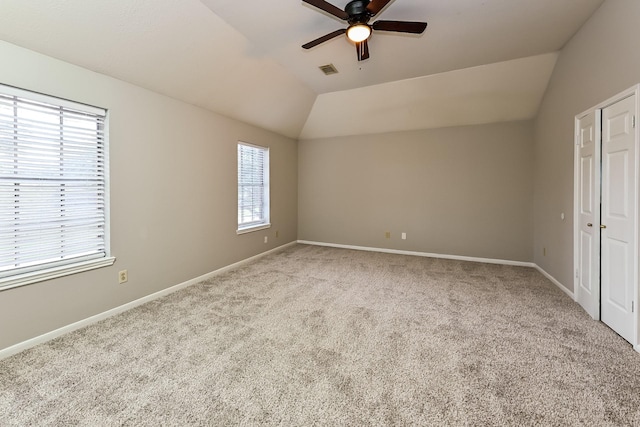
[618, 211]
[588, 211]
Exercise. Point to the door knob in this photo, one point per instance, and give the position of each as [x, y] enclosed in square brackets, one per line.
[603, 226]
[589, 224]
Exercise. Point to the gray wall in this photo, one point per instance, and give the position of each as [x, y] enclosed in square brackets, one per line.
[494, 191]
[458, 191]
[600, 61]
[173, 196]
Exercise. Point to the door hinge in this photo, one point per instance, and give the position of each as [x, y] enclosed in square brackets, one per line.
[632, 306]
[577, 275]
[633, 121]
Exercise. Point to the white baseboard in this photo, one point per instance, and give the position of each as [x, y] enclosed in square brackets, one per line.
[9, 351]
[422, 254]
[555, 282]
[454, 257]
[637, 348]
[17, 348]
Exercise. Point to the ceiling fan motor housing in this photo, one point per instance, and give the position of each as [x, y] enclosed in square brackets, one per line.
[357, 11]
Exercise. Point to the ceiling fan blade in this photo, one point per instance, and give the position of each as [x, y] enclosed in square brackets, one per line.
[324, 38]
[363, 50]
[329, 8]
[400, 26]
[376, 6]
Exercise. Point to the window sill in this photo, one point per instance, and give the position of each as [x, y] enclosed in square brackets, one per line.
[253, 228]
[53, 273]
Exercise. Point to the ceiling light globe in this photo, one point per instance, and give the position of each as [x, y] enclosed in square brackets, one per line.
[359, 32]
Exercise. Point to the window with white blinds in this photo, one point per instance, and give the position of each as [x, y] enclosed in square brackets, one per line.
[253, 187]
[53, 187]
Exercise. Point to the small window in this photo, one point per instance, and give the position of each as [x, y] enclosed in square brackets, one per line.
[253, 188]
[53, 188]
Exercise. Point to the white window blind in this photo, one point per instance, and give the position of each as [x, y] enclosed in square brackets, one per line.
[53, 183]
[253, 187]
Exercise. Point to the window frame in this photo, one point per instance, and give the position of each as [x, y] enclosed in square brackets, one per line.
[52, 270]
[266, 188]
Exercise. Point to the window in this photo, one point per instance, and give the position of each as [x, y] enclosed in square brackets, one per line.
[53, 188]
[253, 188]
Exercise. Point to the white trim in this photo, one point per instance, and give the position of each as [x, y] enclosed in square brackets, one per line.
[422, 254]
[555, 281]
[576, 201]
[41, 270]
[107, 183]
[634, 90]
[52, 99]
[454, 257]
[17, 348]
[637, 348]
[636, 240]
[54, 273]
[265, 221]
[253, 228]
[248, 144]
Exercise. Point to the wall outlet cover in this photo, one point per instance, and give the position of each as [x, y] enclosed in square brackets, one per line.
[123, 276]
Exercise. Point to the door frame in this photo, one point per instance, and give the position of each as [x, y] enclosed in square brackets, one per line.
[635, 90]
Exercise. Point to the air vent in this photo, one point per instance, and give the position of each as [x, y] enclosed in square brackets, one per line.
[328, 69]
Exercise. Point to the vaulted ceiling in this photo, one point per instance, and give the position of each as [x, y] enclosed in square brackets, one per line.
[479, 61]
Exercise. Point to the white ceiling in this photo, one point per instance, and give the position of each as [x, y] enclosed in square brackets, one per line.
[460, 34]
[499, 92]
[244, 60]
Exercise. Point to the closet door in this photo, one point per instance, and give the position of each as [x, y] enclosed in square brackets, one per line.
[588, 212]
[618, 229]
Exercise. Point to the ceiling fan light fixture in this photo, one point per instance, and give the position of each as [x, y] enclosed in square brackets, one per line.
[358, 13]
[358, 32]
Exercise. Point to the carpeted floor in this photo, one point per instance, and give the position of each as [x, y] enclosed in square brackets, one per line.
[323, 336]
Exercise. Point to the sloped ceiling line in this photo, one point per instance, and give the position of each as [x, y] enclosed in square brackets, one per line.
[244, 59]
[505, 91]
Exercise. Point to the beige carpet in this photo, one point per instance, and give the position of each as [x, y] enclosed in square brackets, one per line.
[322, 336]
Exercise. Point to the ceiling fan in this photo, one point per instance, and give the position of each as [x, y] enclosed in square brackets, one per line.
[358, 13]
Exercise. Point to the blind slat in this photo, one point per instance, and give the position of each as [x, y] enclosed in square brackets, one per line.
[52, 182]
[253, 185]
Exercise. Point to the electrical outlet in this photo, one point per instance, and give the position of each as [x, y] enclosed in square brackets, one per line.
[123, 276]
[544, 251]
[387, 234]
[277, 233]
[404, 236]
[266, 239]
